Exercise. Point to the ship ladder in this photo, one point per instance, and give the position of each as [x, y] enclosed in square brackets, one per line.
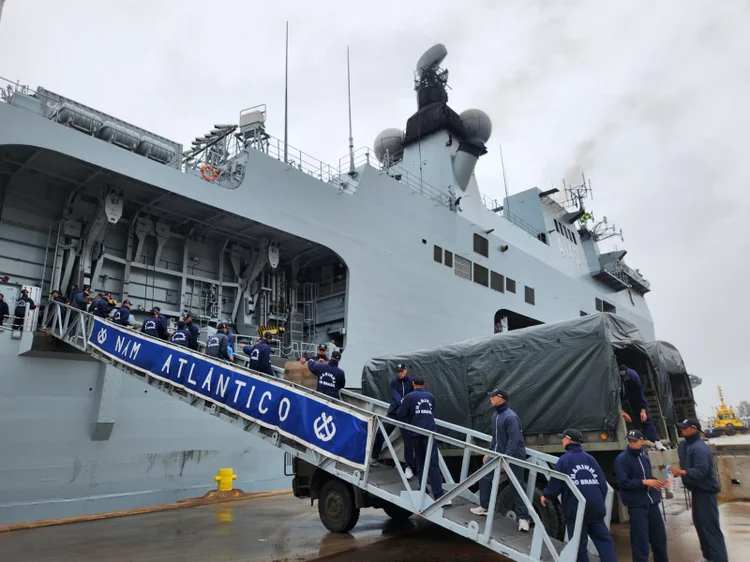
[342, 450]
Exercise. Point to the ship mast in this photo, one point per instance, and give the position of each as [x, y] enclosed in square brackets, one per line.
[2, 3]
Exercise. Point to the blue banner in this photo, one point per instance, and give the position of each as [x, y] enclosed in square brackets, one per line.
[319, 424]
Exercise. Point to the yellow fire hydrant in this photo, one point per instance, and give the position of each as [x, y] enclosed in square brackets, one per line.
[224, 478]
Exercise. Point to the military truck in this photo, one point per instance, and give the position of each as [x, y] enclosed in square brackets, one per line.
[558, 375]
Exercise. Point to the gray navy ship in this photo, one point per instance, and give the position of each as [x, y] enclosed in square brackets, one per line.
[390, 250]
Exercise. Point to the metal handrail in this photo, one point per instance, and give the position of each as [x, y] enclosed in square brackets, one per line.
[539, 457]
[75, 329]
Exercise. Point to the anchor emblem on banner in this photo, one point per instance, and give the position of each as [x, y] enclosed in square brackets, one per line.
[322, 429]
[101, 337]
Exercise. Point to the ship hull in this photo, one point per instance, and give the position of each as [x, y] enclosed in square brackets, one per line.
[398, 298]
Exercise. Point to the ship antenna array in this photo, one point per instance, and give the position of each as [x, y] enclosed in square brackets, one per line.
[602, 231]
[351, 136]
[576, 194]
[286, 94]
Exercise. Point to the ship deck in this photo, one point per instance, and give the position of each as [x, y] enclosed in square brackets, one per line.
[282, 528]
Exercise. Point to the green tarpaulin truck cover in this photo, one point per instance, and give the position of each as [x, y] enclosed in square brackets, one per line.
[557, 375]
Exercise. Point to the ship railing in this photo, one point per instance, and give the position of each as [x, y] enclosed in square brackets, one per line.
[299, 348]
[251, 341]
[495, 206]
[74, 326]
[472, 437]
[29, 323]
[9, 89]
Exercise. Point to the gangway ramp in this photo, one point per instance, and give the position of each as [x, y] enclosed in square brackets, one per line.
[334, 436]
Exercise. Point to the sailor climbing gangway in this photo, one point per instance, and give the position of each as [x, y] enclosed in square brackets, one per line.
[333, 436]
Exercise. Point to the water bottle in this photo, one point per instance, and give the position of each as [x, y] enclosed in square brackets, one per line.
[670, 479]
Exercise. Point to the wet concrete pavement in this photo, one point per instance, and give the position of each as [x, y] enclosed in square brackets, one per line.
[284, 529]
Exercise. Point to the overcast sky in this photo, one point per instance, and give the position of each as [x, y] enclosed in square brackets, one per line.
[650, 99]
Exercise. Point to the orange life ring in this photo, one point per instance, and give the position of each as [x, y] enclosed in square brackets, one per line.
[211, 175]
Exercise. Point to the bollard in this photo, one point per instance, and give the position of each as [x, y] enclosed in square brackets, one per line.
[224, 478]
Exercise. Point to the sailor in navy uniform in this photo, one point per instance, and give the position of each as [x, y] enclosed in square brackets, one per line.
[122, 315]
[507, 439]
[321, 357]
[162, 319]
[194, 332]
[641, 494]
[153, 327]
[4, 310]
[699, 477]
[632, 391]
[99, 307]
[218, 344]
[330, 377]
[589, 478]
[260, 355]
[20, 311]
[79, 298]
[181, 336]
[55, 296]
[417, 409]
[401, 385]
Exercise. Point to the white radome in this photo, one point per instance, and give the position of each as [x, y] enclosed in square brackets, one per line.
[478, 124]
[388, 142]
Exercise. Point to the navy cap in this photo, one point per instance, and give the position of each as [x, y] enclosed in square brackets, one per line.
[572, 434]
[418, 379]
[322, 347]
[336, 355]
[401, 366]
[634, 435]
[690, 422]
[498, 392]
[267, 335]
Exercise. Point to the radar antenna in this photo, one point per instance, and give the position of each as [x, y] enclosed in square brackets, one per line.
[575, 194]
[431, 81]
[602, 230]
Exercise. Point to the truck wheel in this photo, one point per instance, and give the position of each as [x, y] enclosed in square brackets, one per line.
[336, 507]
[395, 512]
[551, 516]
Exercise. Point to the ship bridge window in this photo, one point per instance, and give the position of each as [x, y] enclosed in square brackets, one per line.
[448, 258]
[497, 282]
[557, 225]
[510, 285]
[481, 275]
[463, 267]
[438, 254]
[481, 245]
[530, 296]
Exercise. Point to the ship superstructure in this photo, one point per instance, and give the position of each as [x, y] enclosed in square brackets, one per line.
[398, 251]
